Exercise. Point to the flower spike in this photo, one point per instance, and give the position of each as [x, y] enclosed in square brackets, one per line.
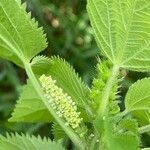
[60, 101]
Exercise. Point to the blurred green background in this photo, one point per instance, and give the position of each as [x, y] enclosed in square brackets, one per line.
[70, 36]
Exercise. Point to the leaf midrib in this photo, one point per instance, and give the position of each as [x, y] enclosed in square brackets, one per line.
[109, 31]
[12, 24]
[8, 43]
[128, 32]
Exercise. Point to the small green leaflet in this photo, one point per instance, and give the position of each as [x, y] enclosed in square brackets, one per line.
[27, 142]
[20, 37]
[122, 31]
[137, 100]
[138, 96]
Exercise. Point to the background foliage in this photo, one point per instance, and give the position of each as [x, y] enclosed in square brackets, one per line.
[70, 36]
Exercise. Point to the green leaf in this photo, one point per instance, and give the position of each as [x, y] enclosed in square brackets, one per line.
[66, 78]
[121, 136]
[122, 31]
[26, 142]
[137, 101]
[138, 96]
[29, 107]
[20, 37]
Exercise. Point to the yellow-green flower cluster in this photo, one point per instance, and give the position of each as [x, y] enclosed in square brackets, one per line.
[61, 102]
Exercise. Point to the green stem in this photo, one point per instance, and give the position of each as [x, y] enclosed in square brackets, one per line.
[103, 110]
[69, 131]
[93, 143]
[144, 129]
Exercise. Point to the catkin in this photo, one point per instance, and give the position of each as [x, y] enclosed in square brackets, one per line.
[61, 102]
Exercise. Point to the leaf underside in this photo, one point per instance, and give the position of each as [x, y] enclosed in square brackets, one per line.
[27, 142]
[122, 31]
[20, 37]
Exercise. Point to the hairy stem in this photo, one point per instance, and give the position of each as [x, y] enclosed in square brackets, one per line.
[103, 110]
[144, 129]
[69, 131]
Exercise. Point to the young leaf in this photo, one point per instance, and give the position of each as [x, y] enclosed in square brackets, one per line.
[20, 37]
[26, 142]
[138, 96]
[137, 100]
[122, 31]
[66, 78]
[29, 107]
